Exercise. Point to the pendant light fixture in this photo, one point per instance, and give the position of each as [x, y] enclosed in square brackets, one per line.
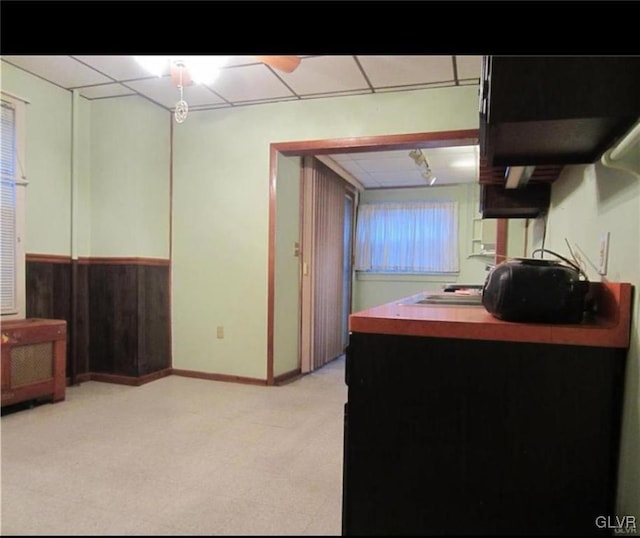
[182, 109]
[187, 70]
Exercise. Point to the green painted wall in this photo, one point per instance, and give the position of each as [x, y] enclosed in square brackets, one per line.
[48, 160]
[516, 234]
[586, 201]
[122, 166]
[374, 289]
[220, 208]
[287, 269]
[130, 187]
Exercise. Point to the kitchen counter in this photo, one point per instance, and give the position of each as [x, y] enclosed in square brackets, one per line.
[457, 423]
[609, 328]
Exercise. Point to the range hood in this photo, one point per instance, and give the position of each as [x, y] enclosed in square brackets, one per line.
[518, 176]
[515, 191]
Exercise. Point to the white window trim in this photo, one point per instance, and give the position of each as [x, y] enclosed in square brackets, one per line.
[21, 183]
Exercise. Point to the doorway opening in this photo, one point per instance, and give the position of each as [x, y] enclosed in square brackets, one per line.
[334, 146]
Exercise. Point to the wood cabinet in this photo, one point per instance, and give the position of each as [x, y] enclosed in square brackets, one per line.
[33, 360]
[527, 202]
[451, 436]
[555, 110]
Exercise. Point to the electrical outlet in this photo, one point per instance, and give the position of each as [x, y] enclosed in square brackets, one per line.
[220, 331]
[604, 253]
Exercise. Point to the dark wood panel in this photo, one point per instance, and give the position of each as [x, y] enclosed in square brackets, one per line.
[39, 290]
[154, 329]
[564, 87]
[113, 319]
[83, 327]
[456, 437]
[122, 311]
[48, 294]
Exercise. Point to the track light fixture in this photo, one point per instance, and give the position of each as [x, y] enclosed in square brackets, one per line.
[418, 156]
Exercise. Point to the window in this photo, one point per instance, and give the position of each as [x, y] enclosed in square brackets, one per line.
[412, 237]
[12, 183]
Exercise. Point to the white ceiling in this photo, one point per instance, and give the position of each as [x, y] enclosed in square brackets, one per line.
[245, 81]
[395, 169]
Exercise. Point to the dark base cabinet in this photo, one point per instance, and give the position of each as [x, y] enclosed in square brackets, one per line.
[468, 437]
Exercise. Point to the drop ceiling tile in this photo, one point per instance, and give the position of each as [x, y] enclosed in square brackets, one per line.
[325, 74]
[396, 89]
[469, 66]
[342, 157]
[241, 60]
[263, 101]
[61, 70]
[454, 150]
[353, 168]
[162, 91]
[453, 175]
[246, 60]
[396, 178]
[388, 178]
[118, 67]
[387, 71]
[249, 83]
[440, 157]
[209, 107]
[404, 164]
[198, 95]
[105, 90]
[383, 155]
[338, 94]
[395, 169]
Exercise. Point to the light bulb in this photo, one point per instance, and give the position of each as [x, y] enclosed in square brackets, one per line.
[156, 65]
[204, 69]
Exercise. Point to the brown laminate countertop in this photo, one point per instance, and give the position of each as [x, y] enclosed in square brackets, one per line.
[610, 328]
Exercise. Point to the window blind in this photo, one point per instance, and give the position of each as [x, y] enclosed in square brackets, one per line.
[8, 209]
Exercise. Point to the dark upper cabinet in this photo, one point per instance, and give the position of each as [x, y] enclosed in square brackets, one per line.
[555, 110]
[528, 202]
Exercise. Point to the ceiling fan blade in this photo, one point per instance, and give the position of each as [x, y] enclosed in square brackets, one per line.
[281, 63]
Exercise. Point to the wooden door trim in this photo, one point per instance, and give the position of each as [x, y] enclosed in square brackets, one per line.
[339, 145]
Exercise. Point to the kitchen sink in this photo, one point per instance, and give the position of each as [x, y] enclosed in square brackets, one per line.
[456, 296]
[448, 300]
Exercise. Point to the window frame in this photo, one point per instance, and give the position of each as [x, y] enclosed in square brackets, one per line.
[20, 180]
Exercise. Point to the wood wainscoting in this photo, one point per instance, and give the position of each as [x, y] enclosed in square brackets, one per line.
[121, 330]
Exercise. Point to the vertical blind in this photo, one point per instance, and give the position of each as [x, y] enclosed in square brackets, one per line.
[8, 209]
[329, 212]
[408, 237]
